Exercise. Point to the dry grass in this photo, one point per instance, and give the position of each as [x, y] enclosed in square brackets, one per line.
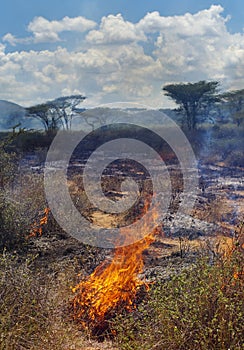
[33, 307]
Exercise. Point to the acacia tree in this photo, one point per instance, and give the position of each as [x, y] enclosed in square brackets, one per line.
[50, 120]
[56, 113]
[194, 99]
[95, 117]
[64, 108]
[234, 101]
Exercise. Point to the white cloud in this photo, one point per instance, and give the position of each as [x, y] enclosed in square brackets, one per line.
[114, 29]
[44, 31]
[201, 23]
[13, 40]
[123, 60]
[2, 49]
[47, 31]
[196, 46]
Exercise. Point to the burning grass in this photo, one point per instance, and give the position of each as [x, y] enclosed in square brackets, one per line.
[111, 287]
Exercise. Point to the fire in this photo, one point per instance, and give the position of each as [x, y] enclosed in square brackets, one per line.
[37, 227]
[113, 284]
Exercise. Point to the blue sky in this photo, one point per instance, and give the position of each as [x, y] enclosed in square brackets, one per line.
[53, 48]
[16, 14]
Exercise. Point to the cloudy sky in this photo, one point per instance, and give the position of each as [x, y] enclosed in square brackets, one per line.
[117, 50]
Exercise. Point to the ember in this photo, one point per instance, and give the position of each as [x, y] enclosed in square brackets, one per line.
[37, 226]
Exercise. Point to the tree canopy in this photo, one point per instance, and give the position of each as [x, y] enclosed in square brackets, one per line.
[50, 121]
[193, 98]
[56, 113]
[64, 107]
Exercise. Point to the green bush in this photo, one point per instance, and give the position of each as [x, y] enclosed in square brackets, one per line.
[199, 309]
[33, 140]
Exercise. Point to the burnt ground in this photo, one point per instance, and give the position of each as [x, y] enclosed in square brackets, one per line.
[217, 212]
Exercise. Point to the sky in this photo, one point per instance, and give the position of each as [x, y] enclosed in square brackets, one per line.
[117, 50]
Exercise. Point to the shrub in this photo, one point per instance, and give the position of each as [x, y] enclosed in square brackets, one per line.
[21, 203]
[198, 309]
[33, 140]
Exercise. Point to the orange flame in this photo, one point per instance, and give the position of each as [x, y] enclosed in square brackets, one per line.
[112, 284]
[37, 227]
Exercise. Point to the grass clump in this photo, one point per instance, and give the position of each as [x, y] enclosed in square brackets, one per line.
[202, 308]
[33, 315]
[23, 309]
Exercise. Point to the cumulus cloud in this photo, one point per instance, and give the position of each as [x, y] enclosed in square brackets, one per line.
[47, 31]
[148, 54]
[13, 40]
[198, 46]
[44, 31]
[2, 49]
[114, 29]
[201, 23]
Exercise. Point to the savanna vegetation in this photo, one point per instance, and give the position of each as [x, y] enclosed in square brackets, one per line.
[196, 307]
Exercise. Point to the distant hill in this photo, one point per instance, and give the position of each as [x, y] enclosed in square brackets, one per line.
[95, 117]
[12, 114]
